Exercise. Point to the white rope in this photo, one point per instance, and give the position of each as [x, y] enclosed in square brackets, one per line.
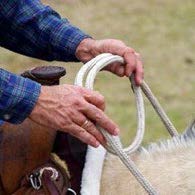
[159, 110]
[90, 70]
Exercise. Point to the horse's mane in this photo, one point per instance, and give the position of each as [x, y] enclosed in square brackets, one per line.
[182, 141]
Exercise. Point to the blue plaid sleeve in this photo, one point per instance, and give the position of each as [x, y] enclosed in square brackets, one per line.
[1, 122]
[18, 97]
[33, 29]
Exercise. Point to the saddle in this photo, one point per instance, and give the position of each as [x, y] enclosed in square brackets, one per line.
[27, 165]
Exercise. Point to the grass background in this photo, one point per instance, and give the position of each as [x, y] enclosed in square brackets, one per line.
[163, 31]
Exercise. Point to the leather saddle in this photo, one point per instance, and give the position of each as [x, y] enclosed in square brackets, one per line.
[28, 146]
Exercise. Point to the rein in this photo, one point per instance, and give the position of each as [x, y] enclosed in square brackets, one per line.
[114, 146]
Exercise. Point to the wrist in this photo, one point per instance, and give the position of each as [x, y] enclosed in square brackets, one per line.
[19, 96]
[38, 108]
[86, 50]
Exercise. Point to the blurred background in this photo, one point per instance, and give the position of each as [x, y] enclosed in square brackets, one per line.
[163, 31]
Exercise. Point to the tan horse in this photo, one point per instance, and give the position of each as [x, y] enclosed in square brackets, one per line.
[169, 165]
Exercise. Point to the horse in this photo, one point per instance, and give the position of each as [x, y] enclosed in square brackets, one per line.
[168, 164]
[160, 168]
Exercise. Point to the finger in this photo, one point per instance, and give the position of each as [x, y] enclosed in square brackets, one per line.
[94, 98]
[97, 100]
[92, 129]
[84, 136]
[130, 59]
[139, 74]
[108, 67]
[117, 68]
[111, 67]
[89, 126]
[100, 118]
[120, 70]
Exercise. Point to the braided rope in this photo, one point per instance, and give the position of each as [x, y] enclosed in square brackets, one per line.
[90, 70]
[159, 110]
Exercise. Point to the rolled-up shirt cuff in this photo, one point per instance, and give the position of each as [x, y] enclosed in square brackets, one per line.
[18, 97]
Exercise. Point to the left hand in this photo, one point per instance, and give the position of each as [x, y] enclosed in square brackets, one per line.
[89, 48]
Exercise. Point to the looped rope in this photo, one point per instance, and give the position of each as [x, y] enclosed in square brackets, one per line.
[90, 70]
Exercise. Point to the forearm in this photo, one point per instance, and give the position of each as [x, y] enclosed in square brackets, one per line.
[18, 97]
[30, 28]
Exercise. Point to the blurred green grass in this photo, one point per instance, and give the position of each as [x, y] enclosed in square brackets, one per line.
[163, 31]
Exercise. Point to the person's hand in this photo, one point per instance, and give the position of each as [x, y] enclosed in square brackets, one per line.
[89, 48]
[74, 110]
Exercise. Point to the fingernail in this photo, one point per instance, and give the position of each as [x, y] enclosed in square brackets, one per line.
[121, 70]
[116, 131]
[139, 82]
[97, 144]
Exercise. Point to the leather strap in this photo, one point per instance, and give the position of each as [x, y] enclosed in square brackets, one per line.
[49, 186]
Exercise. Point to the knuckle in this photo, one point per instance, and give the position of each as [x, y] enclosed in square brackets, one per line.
[131, 67]
[77, 89]
[91, 140]
[81, 90]
[116, 43]
[81, 131]
[112, 68]
[141, 71]
[62, 125]
[98, 116]
[101, 99]
[120, 42]
[87, 138]
[139, 57]
[78, 102]
[73, 133]
[65, 124]
[129, 50]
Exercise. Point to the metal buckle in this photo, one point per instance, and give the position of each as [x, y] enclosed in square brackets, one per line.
[35, 178]
[70, 191]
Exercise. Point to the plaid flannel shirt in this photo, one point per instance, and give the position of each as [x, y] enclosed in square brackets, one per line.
[33, 29]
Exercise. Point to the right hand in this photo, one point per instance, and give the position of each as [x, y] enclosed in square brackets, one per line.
[67, 107]
[89, 48]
